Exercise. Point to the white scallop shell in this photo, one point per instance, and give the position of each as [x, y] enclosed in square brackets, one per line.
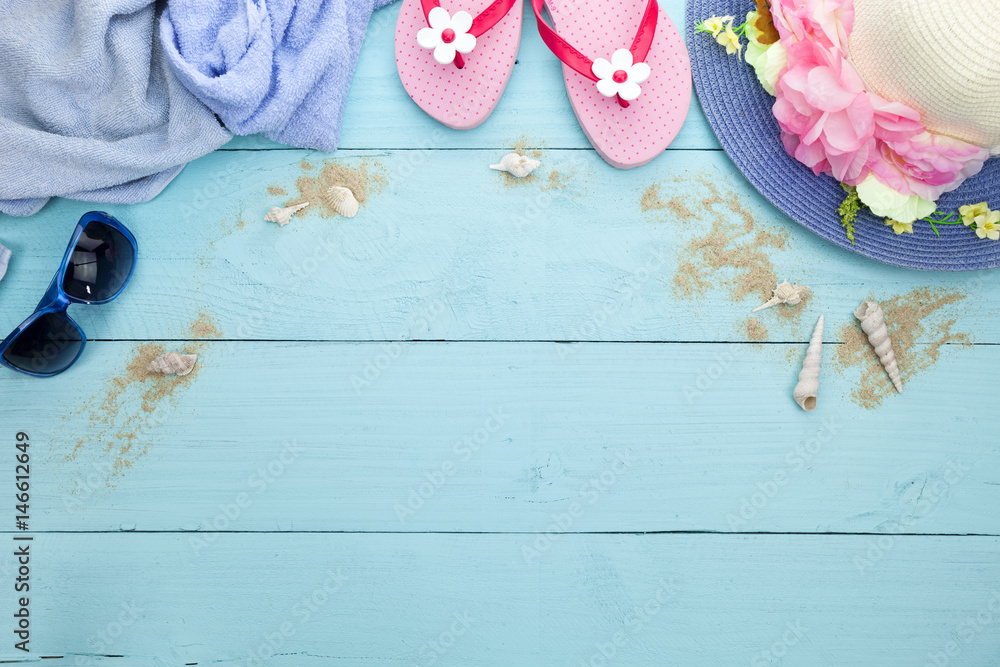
[873, 324]
[342, 200]
[785, 293]
[516, 165]
[283, 216]
[808, 387]
[4, 260]
[173, 363]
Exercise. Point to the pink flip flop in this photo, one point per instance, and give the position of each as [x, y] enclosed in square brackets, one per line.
[630, 100]
[455, 62]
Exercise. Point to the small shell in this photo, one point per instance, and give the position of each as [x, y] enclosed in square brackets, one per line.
[516, 165]
[873, 324]
[808, 387]
[785, 293]
[283, 216]
[173, 363]
[342, 200]
[4, 260]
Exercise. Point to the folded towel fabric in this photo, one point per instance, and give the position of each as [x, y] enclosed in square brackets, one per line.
[280, 68]
[89, 107]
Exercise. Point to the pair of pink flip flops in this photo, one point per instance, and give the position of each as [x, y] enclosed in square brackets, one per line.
[626, 68]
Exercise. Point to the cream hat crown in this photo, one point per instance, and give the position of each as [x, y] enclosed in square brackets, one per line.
[941, 57]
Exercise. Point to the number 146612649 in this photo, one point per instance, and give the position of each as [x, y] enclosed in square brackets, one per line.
[22, 482]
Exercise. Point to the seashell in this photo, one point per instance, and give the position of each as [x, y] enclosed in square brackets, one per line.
[4, 260]
[173, 363]
[873, 324]
[283, 216]
[342, 200]
[516, 165]
[785, 293]
[807, 388]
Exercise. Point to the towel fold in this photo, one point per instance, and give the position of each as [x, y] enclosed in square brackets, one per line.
[280, 68]
[89, 107]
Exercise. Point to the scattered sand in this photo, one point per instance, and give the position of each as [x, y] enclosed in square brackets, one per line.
[123, 413]
[364, 178]
[755, 330]
[275, 190]
[909, 317]
[521, 147]
[651, 199]
[556, 181]
[305, 165]
[204, 327]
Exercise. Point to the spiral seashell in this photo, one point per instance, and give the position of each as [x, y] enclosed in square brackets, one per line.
[342, 200]
[283, 216]
[873, 324]
[173, 363]
[808, 387]
[4, 260]
[516, 165]
[785, 293]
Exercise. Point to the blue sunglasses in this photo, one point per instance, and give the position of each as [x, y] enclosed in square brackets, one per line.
[95, 269]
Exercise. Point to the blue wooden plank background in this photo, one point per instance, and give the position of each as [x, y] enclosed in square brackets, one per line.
[490, 422]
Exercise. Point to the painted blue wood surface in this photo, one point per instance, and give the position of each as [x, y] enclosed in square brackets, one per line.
[332, 424]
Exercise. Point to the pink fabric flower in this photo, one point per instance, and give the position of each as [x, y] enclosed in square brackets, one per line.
[833, 124]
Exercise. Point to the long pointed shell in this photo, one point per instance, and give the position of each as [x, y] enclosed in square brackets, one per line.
[283, 216]
[342, 200]
[873, 324]
[808, 387]
[516, 165]
[4, 259]
[785, 293]
[173, 363]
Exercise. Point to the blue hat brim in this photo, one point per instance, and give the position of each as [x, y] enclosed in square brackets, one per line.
[739, 111]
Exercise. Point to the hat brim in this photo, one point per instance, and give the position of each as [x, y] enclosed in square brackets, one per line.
[739, 111]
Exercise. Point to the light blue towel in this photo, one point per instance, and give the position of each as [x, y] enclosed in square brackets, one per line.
[280, 68]
[89, 107]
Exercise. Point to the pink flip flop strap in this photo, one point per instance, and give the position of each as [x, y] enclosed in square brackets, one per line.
[565, 51]
[485, 20]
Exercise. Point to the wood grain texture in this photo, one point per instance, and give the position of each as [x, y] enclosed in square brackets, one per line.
[534, 107]
[391, 599]
[664, 457]
[480, 437]
[570, 258]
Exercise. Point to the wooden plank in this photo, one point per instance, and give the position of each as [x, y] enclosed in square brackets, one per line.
[476, 257]
[477, 600]
[503, 437]
[533, 110]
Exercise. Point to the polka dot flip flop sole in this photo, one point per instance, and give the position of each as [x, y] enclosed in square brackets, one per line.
[627, 72]
[455, 61]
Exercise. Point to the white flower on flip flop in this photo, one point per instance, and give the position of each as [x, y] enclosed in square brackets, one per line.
[620, 76]
[447, 34]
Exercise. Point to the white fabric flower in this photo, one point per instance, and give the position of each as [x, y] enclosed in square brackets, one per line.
[447, 34]
[887, 203]
[620, 76]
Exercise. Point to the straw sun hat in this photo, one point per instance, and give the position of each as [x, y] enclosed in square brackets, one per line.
[893, 105]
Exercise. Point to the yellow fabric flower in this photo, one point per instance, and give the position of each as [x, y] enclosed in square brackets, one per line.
[716, 24]
[900, 227]
[972, 211]
[988, 226]
[731, 41]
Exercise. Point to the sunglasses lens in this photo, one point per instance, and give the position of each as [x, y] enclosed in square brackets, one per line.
[47, 346]
[101, 263]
